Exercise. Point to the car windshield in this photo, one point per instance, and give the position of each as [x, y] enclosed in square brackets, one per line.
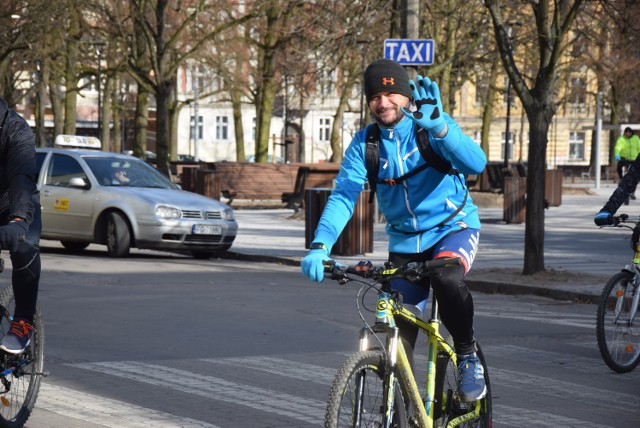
[127, 172]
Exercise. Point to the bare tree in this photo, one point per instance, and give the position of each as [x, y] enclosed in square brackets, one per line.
[167, 34]
[608, 40]
[549, 22]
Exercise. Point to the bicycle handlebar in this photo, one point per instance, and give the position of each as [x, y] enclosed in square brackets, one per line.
[386, 272]
[616, 221]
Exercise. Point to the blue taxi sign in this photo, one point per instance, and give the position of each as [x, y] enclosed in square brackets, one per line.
[409, 52]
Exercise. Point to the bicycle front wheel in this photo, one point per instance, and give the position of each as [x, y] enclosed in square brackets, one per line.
[448, 408]
[619, 335]
[357, 394]
[21, 374]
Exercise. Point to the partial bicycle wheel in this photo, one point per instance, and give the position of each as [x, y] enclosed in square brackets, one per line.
[448, 408]
[20, 381]
[618, 335]
[357, 394]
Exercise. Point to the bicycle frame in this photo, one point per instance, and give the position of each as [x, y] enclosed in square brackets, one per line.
[386, 311]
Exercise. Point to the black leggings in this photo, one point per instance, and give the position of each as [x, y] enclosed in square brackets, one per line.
[454, 300]
[26, 269]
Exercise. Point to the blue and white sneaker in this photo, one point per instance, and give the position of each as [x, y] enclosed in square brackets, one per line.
[471, 385]
[16, 341]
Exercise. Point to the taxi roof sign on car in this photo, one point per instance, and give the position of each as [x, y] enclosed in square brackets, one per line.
[77, 142]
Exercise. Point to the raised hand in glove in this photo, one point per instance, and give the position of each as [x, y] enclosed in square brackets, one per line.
[12, 233]
[312, 264]
[603, 218]
[429, 114]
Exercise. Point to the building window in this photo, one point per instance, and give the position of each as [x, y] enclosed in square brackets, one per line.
[222, 128]
[512, 137]
[576, 145]
[253, 129]
[200, 130]
[477, 137]
[326, 82]
[324, 129]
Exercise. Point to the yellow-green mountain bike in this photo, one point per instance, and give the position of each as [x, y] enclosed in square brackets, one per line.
[376, 387]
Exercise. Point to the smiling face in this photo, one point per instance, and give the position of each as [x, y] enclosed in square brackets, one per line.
[385, 108]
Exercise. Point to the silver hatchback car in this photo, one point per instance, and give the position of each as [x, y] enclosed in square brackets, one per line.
[122, 202]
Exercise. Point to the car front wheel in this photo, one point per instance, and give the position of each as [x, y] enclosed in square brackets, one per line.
[118, 235]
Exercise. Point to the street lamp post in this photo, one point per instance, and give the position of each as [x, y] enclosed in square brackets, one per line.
[99, 47]
[507, 148]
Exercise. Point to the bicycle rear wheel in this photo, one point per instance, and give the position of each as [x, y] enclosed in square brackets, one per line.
[357, 394]
[619, 336]
[448, 408]
[19, 386]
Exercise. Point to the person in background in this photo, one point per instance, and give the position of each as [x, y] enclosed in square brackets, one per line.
[120, 177]
[625, 151]
[20, 223]
[429, 214]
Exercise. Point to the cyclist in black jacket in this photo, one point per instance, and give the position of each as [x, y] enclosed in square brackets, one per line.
[20, 222]
[625, 188]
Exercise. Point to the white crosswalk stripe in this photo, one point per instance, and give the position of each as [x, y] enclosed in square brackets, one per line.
[543, 318]
[514, 417]
[107, 412]
[214, 388]
[278, 366]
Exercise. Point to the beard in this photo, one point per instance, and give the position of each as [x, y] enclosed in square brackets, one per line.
[389, 116]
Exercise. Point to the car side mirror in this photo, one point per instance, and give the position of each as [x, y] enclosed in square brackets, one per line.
[79, 182]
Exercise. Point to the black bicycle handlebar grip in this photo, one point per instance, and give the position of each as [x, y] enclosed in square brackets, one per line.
[606, 221]
[328, 265]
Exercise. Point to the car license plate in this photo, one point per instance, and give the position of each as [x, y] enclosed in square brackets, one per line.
[206, 229]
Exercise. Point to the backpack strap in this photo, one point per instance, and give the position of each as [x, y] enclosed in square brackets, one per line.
[432, 158]
[372, 158]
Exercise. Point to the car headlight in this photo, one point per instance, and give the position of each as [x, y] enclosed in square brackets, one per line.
[168, 213]
[227, 214]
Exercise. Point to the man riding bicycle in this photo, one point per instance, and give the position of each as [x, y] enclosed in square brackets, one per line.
[429, 213]
[20, 223]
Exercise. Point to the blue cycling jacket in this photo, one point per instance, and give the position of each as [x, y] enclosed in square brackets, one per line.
[415, 207]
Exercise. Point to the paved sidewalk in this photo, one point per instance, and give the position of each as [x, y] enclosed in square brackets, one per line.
[579, 256]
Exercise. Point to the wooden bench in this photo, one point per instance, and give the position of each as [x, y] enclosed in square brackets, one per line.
[294, 199]
[256, 181]
[321, 175]
[264, 181]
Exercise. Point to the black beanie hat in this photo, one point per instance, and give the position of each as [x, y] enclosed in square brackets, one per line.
[628, 129]
[384, 75]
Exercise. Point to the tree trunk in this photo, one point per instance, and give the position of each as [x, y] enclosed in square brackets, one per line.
[534, 229]
[141, 123]
[236, 105]
[163, 95]
[71, 83]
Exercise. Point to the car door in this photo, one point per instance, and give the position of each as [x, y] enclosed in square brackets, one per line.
[67, 209]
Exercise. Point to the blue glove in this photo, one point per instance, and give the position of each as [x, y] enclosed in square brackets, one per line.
[603, 218]
[429, 114]
[313, 266]
[617, 157]
[12, 233]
